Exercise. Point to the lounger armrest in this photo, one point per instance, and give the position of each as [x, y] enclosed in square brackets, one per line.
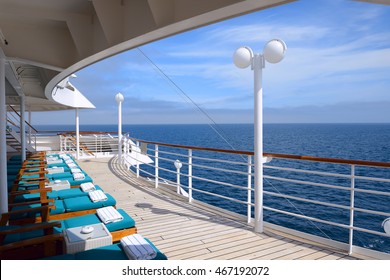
[41, 178]
[40, 165]
[41, 171]
[41, 190]
[44, 201]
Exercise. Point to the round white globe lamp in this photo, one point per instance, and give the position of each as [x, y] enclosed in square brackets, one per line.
[242, 57]
[386, 226]
[119, 98]
[274, 51]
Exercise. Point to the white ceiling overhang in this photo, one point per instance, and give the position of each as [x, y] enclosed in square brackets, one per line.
[45, 41]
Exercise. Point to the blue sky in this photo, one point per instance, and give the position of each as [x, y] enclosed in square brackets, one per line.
[336, 69]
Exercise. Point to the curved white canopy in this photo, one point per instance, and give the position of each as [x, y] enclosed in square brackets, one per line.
[45, 41]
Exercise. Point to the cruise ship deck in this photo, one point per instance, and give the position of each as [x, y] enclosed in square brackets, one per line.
[184, 231]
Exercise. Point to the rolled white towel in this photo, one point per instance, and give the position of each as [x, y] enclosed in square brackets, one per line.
[137, 248]
[78, 176]
[109, 215]
[75, 170]
[87, 187]
[98, 195]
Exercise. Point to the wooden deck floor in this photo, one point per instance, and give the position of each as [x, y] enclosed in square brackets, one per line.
[183, 231]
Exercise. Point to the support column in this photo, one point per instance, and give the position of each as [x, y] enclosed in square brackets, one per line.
[120, 132]
[3, 139]
[22, 127]
[258, 127]
[29, 127]
[77, 134]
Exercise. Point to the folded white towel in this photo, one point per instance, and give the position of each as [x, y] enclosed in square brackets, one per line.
[98, 195]
[64, 156]
[72, 165]
[109, 215]
[75, 170]
[137, 248]
[69, 161]
[78, 176]
[87, 187]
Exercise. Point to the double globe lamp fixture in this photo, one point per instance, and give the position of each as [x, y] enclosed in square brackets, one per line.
[273, 52]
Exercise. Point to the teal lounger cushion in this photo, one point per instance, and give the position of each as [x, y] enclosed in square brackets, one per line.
[72, 205]
[110, 252]
[11, 170]
[15, 158]
[84, 203]
[73, 192]
[91, 219]
[68, 205]
[62, 175]
[62, 164]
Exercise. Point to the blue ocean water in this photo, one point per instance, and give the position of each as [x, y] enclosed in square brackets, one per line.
[346, 141]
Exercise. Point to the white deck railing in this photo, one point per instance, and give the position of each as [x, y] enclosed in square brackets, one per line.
[327, 193]
[336, 198]
[91, 143]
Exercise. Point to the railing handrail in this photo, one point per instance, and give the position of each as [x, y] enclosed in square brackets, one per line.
[25, 120]
[154, 151]
[87, 132]
[273, 155]
[249, 153]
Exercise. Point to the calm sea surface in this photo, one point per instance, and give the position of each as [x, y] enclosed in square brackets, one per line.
[347, 141]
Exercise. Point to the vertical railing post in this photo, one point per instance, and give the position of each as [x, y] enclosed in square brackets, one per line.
[156, 166]
[77, 134]
[66, 143]
[351, 209]
[190, 175]
[249, 192]
[100, 142]
[61, 144]
[136, 158]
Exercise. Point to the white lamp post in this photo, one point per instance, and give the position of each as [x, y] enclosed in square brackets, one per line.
[178, 165]
[273, 52]
[119, 99]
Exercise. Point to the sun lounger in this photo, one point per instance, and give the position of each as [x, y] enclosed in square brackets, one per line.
[60, 194]
[61, 208]
[15, 236]
[118, 229]
[110, 252]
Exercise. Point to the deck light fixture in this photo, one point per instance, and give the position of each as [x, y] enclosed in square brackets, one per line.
[273, 52]
[178, 165]
[386, 225]
[119, 98]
